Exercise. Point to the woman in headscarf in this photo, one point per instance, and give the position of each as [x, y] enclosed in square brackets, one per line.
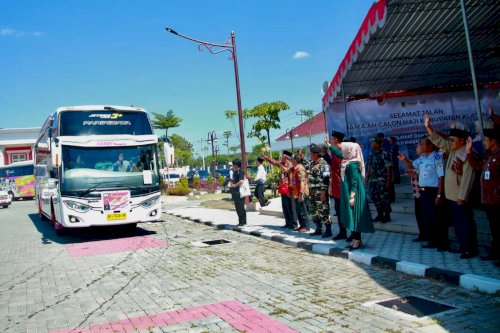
[353, 206]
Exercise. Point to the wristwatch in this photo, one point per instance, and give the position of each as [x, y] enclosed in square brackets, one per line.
[439, 195]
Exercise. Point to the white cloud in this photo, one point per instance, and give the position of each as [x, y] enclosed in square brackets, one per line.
[301, 54]
[6, 32]
[17, 33]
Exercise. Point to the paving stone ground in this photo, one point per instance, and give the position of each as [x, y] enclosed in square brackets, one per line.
[43, 288]
[392, 245]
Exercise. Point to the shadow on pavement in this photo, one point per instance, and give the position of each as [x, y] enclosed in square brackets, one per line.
[82, 235]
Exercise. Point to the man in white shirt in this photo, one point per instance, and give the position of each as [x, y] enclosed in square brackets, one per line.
[260, 179]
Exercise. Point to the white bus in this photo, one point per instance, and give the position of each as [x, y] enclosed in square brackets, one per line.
[97, 165]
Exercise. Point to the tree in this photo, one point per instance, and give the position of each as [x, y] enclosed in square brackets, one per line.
[267, 115]
[166, 121]
[231, 115]
[234, 149]
[183, 149]
[226, 135]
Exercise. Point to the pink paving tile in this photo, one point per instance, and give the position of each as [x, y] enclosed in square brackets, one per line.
[236, 314]
[114, 246]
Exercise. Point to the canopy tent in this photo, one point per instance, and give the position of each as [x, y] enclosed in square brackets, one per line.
[406, 45]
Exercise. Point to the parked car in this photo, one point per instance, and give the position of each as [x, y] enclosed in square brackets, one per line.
[222, 172]
[5, 199]
[203, 174]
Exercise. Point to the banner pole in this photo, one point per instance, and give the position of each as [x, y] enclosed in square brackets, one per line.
[345, 111]
[472, 70]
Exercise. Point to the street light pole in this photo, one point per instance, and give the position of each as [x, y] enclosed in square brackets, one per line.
[290, 133]
[229, 46]
[212, 138]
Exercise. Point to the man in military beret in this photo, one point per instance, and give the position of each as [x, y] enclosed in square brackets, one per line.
[457, 184]
[319, 181]
[379, 178]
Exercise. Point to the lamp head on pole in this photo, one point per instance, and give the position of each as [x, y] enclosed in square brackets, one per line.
[171, 31]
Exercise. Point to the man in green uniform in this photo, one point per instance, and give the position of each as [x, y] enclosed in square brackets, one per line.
[379, 178]
[317, 203]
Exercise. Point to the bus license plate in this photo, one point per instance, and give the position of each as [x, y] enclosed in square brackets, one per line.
[117, 216]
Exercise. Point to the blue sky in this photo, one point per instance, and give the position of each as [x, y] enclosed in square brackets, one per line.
[61, 53]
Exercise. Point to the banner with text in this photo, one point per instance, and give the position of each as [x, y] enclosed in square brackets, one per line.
[403, 117]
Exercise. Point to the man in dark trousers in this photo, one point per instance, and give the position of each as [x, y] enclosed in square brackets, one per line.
[490, 185]
[334, 189]
[379, 178]
[236, 182]
[430, 169]
[260, 179]
[287, 201]
[457, 185]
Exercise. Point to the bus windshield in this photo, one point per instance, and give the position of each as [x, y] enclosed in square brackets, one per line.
[104, 122]
[87, 169]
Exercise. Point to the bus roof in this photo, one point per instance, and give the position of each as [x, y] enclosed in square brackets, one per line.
[99, 108]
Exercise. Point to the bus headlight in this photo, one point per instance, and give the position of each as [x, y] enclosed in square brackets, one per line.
[150, 202]
[76, 206]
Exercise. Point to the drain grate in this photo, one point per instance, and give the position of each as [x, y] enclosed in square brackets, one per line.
[416, 306]
[216, 242]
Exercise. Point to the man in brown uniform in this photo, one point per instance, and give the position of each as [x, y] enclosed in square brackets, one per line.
[490, 185]
[457, 184]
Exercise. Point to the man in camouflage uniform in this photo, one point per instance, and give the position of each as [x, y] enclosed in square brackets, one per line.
[379, 178]
[319, 179]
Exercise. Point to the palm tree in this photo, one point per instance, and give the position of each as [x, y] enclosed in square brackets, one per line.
[227, 134]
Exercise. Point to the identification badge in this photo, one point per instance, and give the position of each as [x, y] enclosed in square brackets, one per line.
[487, 175]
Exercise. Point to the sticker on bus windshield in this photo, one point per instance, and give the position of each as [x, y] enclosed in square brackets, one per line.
[117, 200]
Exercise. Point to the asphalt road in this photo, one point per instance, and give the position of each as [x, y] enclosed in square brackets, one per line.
[159, 279]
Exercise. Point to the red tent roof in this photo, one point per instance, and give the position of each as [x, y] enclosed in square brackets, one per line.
[311, 126]
[410, 45]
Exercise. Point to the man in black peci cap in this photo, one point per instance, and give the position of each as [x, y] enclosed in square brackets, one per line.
[457, 184]
[489, 167]
[334, 188]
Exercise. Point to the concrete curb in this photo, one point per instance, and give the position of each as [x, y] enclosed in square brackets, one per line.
[467, 281]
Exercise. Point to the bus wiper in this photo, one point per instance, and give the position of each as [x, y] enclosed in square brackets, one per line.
[92, 188]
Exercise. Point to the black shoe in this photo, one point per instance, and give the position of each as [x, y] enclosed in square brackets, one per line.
[340, 236]
[454, 251]
[349, 239]
[378, 218]
[318, 231]
[386, 218]
[429, 246]
[242, 224]
[418, 239]
[467, 255]
[489, 257]
[328, 232]
[496, 263]
[442, 249]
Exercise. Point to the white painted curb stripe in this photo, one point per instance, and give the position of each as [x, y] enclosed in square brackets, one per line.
[481, 283]
[411, 268]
